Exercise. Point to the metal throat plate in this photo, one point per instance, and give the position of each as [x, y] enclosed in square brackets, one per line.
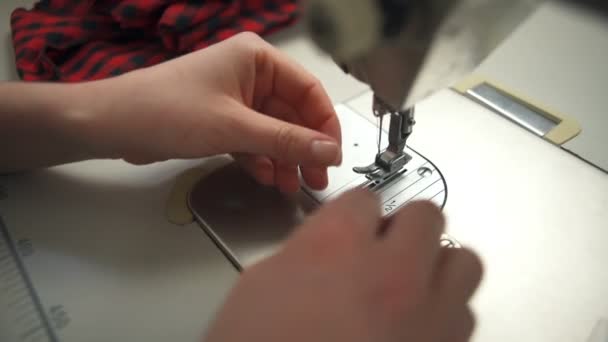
[249, 222]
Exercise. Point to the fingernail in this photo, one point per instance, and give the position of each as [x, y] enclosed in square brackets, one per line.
[326, 152]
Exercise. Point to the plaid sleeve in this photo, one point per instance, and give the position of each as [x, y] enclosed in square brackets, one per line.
[72, 40]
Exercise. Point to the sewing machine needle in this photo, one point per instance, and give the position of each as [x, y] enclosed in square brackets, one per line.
[366, 170]
[380, 134]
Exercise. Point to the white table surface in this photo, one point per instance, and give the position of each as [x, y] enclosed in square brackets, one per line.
[538, 217]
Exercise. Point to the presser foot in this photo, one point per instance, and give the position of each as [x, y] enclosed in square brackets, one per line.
[386, 168]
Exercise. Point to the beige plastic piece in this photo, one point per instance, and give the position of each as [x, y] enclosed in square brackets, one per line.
[177, 209]
[567, 129]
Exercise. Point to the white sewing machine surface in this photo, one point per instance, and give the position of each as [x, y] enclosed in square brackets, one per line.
[106, 265]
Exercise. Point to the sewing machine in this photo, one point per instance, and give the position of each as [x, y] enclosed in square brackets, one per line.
[408, 50]
[97, 259]
[405, 51]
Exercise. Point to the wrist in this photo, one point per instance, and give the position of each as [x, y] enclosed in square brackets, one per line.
[75, 116]
[94, 116]
[50, 123]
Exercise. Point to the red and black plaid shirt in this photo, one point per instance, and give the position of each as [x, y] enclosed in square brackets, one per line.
[75, 40]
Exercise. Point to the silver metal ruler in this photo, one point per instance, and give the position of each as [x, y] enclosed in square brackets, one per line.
[23, 316]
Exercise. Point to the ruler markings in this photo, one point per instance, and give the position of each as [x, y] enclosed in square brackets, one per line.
[5, 263]
[27, 304]
[30, 321]
[11, 284]
[20, 300]
[38, 338]
[10, 273]
[5, 257]
[31, 331]
[16, 290]
[25, 315]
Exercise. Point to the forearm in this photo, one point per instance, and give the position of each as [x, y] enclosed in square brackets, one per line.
[44, 125]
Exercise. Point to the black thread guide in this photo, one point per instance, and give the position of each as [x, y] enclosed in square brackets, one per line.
[23, 317]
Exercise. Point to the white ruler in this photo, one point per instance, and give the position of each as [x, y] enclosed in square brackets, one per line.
[23, 317]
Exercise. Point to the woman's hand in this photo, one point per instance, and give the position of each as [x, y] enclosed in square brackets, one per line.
[349, 275]
[241, 96]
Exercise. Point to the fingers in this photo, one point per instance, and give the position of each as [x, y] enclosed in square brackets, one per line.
[296, 121]
[467, 325]
[269, 173]
[412, 237]
[353, 216]
[259, 167]
[288, 181]
[461, 326]
[315, 178]
[458, 275]
[286, 177]
[298, 88]
[447, 276]
[263, 135]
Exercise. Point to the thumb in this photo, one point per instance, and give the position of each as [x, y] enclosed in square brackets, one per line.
[340, 225]
[285, 141]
